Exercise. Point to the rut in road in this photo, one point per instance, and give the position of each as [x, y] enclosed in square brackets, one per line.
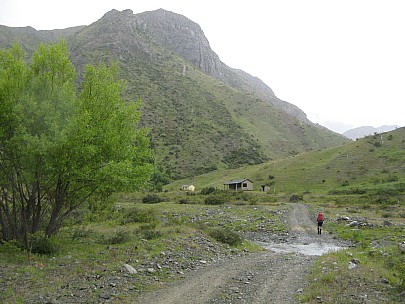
[265, 277]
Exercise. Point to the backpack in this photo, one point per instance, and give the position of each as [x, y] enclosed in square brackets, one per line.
[320, 217]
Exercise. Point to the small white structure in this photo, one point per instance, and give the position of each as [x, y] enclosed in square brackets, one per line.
[187, 188]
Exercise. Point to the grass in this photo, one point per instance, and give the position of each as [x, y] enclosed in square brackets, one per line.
[356, 167]
[379, 275]
[361, 180]
[147, 235]
[167, 237]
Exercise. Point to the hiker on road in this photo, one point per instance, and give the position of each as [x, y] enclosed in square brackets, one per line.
[319, 219]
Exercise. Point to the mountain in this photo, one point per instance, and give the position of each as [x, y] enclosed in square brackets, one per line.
[202, 114]
[367, 130]
[186, 38]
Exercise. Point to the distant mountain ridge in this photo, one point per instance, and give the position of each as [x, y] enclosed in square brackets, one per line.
[368, 130]
[201, 114]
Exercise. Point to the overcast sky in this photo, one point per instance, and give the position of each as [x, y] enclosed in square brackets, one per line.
[341, 61]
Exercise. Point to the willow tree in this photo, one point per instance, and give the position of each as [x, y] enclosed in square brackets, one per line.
[59, 148]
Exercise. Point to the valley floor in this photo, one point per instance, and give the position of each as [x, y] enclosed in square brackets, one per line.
[266, 277]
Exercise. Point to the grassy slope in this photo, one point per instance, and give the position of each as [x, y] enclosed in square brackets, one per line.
[368, 162]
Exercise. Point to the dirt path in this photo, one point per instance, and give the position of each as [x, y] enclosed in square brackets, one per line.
[266, 277]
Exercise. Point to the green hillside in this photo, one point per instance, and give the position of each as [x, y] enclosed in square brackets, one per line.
[375, 163]
[197, 122]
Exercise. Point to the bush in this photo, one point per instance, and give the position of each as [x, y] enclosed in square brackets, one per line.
[80, 233]
[12, 252]
[208, 190]
[42, 244]
[296, 198]
[118, 237]
[137, 215]
[148, 232]
[215, 200]
[152, 199]
[226, 236]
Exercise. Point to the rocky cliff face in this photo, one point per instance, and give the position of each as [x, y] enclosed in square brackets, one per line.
[182, 36]
[186, 38]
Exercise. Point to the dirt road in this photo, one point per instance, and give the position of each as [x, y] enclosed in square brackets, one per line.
[267, 277]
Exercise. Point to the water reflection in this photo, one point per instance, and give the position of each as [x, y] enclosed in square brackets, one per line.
[306, 249]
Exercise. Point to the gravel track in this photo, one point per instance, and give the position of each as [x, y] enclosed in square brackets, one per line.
[265, 277]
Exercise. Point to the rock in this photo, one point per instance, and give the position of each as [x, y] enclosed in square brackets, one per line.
[104, 296]
[151, 270]
[130, 269]
[234, 289]
[352, 265]
[387, 224]
[402, 247]
[355, 261]
[294, 198]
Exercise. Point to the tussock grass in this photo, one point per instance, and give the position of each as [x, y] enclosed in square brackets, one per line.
[379, 275]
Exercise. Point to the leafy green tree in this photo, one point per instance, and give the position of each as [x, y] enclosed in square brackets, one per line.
[160, 178]
[58, 148]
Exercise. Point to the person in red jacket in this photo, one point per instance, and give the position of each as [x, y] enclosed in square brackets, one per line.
[319, 219]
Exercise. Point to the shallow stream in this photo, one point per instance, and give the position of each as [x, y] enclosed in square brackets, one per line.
[306, 249]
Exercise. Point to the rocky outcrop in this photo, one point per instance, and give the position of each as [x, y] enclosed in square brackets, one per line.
[186, 38]
[182, 36]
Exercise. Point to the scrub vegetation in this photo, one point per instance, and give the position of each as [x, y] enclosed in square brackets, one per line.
[76, 209]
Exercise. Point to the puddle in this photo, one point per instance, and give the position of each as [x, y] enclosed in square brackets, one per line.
[307, 249]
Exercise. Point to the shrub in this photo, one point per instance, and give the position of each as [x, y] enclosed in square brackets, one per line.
[42, 244]
[226, 236]
[11, 252]
[295, 198]
[215, 200]
[137, 215]
[152, 199]
[392, 178]
[80, 232]
[208, 190]
[119, 237]
[148, 231]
